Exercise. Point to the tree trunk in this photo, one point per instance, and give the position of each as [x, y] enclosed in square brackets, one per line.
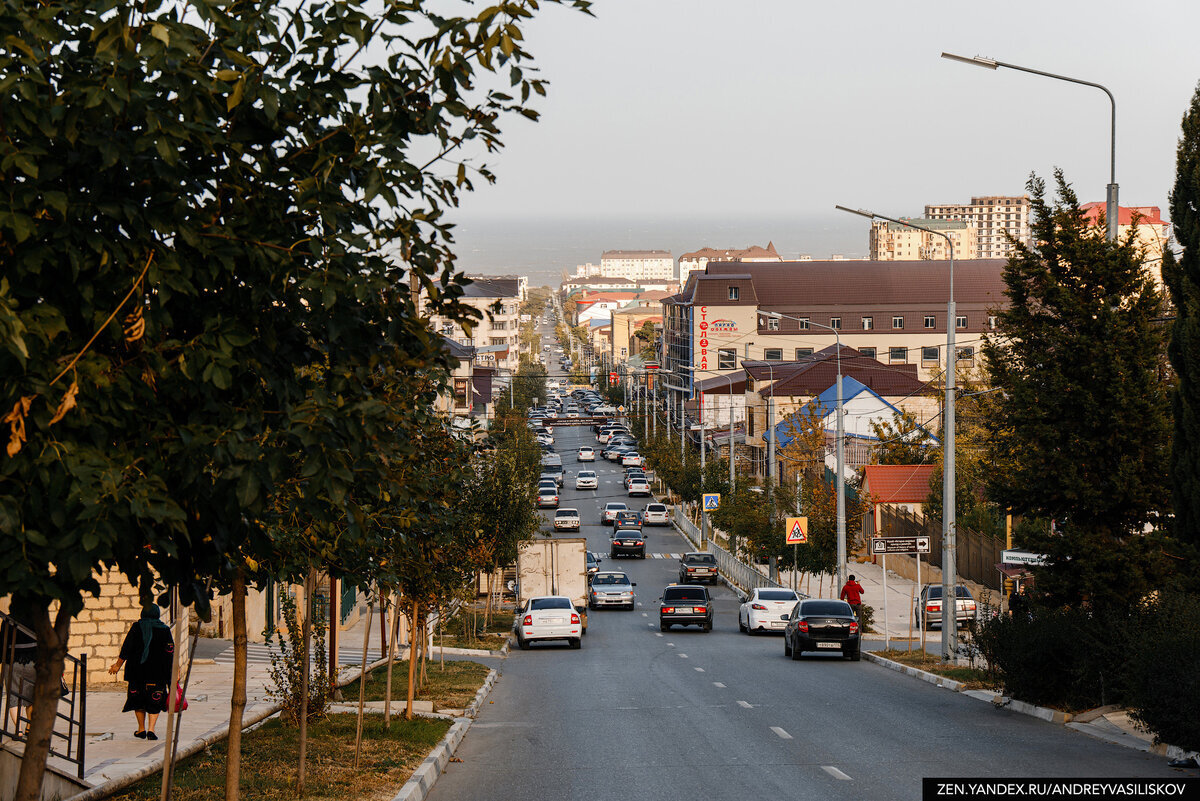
[387, 695]
[237, 702]
[362, 683]
[178, 636]
[487, 607]
[310, 585]
[48, 670]
[412, 661]
[422, 678]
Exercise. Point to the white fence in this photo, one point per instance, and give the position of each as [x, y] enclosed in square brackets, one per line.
[742, 576]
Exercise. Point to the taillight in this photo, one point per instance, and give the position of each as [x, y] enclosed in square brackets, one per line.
[853, 627]
[669, 610]
[758, 606]
[970, 606]
[575, 619]
[932, 608]
[528, 621]
[802, 626]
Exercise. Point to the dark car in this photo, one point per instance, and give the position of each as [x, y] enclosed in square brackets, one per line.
[629, 518]
[685, 604]
[697, 567]
[627, 542]
[821, 625]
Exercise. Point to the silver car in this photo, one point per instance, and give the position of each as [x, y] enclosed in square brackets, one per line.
[586, 479]
[927, 609]
[611, 589]
[657, 514]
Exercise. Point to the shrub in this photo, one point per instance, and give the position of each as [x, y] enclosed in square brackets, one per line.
[286, 667]
[1164, 684]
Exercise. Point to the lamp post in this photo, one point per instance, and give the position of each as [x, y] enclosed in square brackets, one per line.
[1110, 206]
[839, 449]
[949, 521]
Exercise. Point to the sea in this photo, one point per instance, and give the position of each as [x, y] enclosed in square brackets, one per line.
[546, 248]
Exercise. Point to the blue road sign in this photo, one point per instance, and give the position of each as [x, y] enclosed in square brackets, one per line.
[712, 501]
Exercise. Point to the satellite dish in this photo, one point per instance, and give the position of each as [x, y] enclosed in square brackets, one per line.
[510, 585]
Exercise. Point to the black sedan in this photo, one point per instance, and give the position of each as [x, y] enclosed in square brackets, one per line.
[822, 625]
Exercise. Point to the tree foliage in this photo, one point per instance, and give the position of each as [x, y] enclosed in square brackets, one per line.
[902, 440]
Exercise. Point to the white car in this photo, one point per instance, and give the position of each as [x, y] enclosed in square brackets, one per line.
[548, 617]
[586, 479]
[765, 607]
[638, 486]
[631, 460]
[587, 454]
[610, 512]
[656, 514]
[566, 520]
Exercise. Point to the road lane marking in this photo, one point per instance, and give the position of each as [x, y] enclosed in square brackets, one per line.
[783, 735]
[835, 773]
[657, 633]
[670, 645]
[683, 656]
[745, 705]
[699, 670]
[643, 613]
[718, 684]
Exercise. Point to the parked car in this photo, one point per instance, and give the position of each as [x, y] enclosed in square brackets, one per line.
[611, 589]
[609, 514]
[547, 499]
[548, 617]
[631, 458]
[586, 479]
[927, 609]
[638, 487]
[566, 520]
[765, 610]
[696, 567]
[657, 514]
[684, 605]
[627, 542]
[821, 625]
[587, 454]
[632, 473]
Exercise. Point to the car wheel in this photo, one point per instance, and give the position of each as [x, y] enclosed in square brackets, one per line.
[855, 655]
[787, 646]
[706, 625]
[522, 643]
[612, 554]
[795, 654]
[643, 555]
[664, 626]
[575, 642]
[742, 626]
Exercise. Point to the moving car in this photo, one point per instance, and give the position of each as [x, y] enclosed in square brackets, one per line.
[547, 499]
[696, 567]
[627, 542]
[587, 454]
[821, 625]
[638, 486]
[610, 512]
[555, 474]
[593, 565]
[685, 604]
[611, 589]
[628, 518]
[587, 479]
[766, 609]
[548, 617]
[927, 609]
[657, 514]
[566, 520]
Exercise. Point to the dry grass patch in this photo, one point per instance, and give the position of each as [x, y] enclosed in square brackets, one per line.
[269, 754]
[451, 688]
[974, 678]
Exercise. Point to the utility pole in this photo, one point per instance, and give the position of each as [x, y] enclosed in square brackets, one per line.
[732, 470]
[654, 413]
[773, 567]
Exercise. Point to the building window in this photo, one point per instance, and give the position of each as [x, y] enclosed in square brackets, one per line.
[448, 329]
[773, 354]
[803, 323]
[992, 323]
[868, 352]
[499, 341]
[468, 341]
[929, 355]
[966, 355]
[460, 392]
[960, 321]
[897, 322]
[772, 323]
[835, 322]
[727, 358]
[802, 353]
[929, 321]
[868, 323]
[897, 355]
[733, 293]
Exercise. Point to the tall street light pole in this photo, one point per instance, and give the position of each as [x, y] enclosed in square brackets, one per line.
[839, 448]
[949, 514]
[1110, 206]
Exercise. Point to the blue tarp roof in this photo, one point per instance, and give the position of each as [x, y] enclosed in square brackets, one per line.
[825, 404]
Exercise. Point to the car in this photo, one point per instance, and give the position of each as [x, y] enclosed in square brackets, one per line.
[657, 514]
[628, 518]
[765, 609]
[696, 567]
[547, 484]
[685, 605]
[627, 542]
[555, 474]
[543, 439]
[611, 588]
[927, 608]
[821, 624]
[566, 520]
[587, 479]
[631, 458]
[613, 453]
[609, 514]
[593, 565]
[548, 617]
[632, 473]
[638, 487]
[547, 499]
[587, 454]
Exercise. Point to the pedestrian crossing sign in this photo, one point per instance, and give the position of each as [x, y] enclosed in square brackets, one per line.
[796, 531]
[712, 501]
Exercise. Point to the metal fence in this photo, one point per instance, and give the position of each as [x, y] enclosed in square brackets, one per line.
[977, 555]
[741, 575]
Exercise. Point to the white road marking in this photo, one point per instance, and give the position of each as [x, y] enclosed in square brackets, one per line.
[670, 645]
[657, 633]
[683, 656]
[718, 684]
[784, 735]
[745, 705]
[643, 613]
[699, 670]
[835, 773]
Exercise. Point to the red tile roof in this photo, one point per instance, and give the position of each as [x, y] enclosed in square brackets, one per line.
[898, 483]
[1148, 215]
[818, 372]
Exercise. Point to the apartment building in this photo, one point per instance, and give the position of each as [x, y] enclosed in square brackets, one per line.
[891, 241]
[498, 300]
[1153, 232]
[697, 259]
[638, 265]
[994, 218]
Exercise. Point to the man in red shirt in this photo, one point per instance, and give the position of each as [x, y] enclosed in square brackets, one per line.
[852, 594]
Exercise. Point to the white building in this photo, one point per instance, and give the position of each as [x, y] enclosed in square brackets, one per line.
[638, 265]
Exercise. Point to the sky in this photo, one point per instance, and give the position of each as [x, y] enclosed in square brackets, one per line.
[704, 108]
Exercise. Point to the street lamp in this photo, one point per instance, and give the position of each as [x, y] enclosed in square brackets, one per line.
[1111, 199]
[840, 448]
[949, 522]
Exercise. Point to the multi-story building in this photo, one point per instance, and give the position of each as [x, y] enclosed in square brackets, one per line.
[1153, 232]
[498, 300]
[895, 242]
[697, 259]
[995, 218]
[638, 265]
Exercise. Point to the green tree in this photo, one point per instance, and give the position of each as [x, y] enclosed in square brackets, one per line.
[903, 440]
[1079, 424]
[1182, 277]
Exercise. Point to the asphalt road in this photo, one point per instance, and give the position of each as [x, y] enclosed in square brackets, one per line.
[639, 714]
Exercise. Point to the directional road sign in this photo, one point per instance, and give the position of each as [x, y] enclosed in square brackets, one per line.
[712, 501]
[795, 530]
[886, 545]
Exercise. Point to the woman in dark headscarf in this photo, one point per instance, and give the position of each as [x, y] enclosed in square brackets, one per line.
[147, 653]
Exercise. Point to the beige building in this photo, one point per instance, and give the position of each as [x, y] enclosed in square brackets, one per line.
[498, 301]
[894, 242]
[1153, 232]
[638, 265]
[698, 259]
[994, 218]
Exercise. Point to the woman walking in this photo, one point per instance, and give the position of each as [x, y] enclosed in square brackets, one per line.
[147, 653]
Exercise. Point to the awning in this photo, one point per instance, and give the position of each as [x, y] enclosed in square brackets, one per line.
[1013, 571]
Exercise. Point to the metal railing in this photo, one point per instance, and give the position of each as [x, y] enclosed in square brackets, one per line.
[16, 660]
[742, 576]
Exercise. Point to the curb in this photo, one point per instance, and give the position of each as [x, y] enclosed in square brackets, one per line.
[931, 678]
[419, 785]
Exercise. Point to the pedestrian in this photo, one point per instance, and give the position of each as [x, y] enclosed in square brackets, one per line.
[147, 653]
[852, 594]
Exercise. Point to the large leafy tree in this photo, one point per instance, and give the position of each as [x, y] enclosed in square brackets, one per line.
[1079, 424]
[1182, 277]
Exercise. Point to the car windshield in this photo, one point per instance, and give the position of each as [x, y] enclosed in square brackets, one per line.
[825, 608]
[611, 578]
[566, 513]
[935, 591]
[701, 559]
[586, 474]
[614, 507]
[628, 532]
[549, 603]
[684, 594]
[656, 507]
[776, 595]
[546, 491]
